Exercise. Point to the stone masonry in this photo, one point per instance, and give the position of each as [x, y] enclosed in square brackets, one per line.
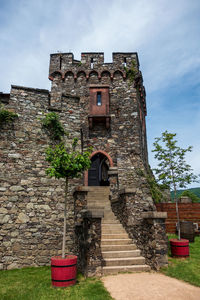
[31, 211]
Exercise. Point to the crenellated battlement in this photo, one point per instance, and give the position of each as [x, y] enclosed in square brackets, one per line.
[64, 63]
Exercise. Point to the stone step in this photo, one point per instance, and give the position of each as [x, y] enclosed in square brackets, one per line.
[127, 261]
[98, 195]
[99, 202]
[115, 242]
[118, 247]
[109, 217]
[113, 231]
[117, 269]
[106, 236]
[111, 223]
[102, 197]
[105, 206]
[108, 212]
[98, 188]
[94, 207]
[122, 254]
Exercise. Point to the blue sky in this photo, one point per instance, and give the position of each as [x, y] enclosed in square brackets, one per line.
[166, 35]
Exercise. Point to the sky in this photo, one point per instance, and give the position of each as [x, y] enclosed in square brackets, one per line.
[165, 33]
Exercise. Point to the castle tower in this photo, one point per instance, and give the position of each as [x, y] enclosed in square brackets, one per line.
[112, 223]
[112, 109]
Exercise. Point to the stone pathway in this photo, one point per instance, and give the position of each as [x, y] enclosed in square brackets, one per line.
[149, 286]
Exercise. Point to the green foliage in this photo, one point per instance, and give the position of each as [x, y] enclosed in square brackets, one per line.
[67, 162]
[52, 123]
[195, 191]
[191, 195]
[172, 171]
[132, 72]
[35, 284]
[186, 269]
[155, 188]
[6, 116]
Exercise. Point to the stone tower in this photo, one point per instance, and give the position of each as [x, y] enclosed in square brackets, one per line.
[103, 104]
[112, 109]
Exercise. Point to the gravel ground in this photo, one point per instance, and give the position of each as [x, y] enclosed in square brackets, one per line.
[149, 286]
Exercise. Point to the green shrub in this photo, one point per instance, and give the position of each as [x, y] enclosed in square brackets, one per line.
[52, 123]
[191, 195]
[6, 116]
[132, 72]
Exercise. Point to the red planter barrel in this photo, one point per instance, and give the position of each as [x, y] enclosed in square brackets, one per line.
[63, 270]
[179, 248]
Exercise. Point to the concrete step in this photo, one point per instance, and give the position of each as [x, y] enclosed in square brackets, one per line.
[117, 269]
[118, 247]
[121, 254]
[127, 261]
[115, 242]
[105, 236]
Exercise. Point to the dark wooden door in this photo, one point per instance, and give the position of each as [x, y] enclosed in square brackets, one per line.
[93, 173]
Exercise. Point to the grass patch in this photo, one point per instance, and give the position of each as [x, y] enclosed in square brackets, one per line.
[35, 284]
[186, 269]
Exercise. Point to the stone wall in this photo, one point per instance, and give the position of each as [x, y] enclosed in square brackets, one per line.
[143, 224]
[88, 235]
[31, 212]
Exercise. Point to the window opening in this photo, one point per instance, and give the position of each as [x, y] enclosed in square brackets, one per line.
[92, 63]
[124, 63]
[60, 62]
[99, 100]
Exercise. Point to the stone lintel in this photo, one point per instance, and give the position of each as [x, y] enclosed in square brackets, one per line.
[154, 215]
[127, 191]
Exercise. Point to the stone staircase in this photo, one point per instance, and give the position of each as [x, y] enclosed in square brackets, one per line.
[119, 252]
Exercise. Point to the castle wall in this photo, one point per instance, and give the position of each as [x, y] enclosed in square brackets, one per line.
[31, 214]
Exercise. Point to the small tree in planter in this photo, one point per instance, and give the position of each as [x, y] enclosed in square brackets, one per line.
[173, 171]
[68, 163]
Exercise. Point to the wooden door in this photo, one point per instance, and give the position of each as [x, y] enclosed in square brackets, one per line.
[93, 173]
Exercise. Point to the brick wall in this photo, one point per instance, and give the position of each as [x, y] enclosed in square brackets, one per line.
[187, 211]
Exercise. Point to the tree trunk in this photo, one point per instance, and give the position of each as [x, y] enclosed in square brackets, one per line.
[65, 216]
[177, 214]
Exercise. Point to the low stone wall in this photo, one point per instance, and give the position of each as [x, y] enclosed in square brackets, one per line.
[144, 225]
[88, 235]
[187, 212]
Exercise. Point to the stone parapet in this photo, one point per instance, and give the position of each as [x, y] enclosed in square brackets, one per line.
[145, 226]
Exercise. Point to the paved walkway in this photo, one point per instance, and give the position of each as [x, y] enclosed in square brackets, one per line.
[149, 286]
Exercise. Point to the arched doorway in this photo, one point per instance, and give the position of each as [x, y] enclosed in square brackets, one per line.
[98, 172]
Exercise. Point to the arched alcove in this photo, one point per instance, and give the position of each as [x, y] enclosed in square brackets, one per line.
[97, 175]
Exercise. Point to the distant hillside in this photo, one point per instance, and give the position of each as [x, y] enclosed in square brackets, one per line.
[196, 191]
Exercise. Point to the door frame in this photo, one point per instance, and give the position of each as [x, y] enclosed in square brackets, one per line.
[93, 154]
